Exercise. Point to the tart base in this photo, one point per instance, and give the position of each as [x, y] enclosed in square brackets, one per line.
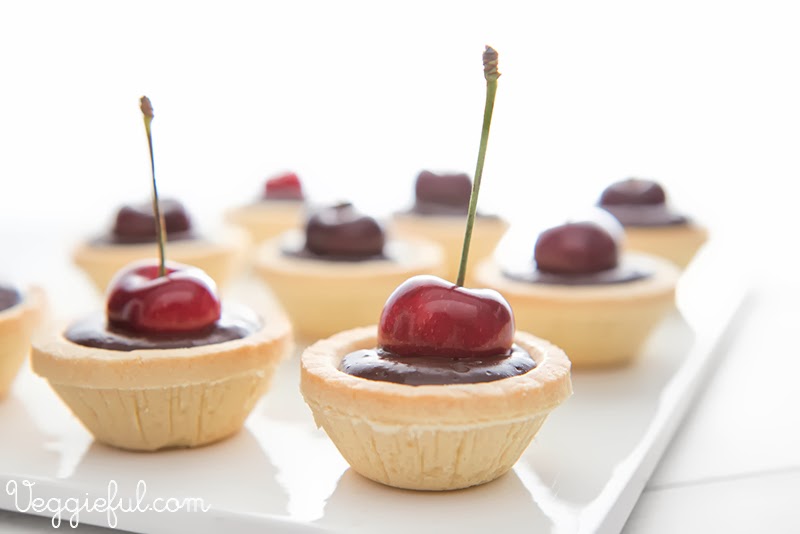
[324, 297]
[598, 326]
[677, 243]
[268, 219]
[448, 232]
[16, 327]
[154, 399]
[149, 419]
[220, 259]
[430, 437]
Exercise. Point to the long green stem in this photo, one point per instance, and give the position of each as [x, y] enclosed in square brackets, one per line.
[490, 70]
[147, 111]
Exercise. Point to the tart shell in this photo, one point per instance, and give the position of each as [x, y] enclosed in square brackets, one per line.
[598, 325]
[267, 219]
[677, 243]
[430, 437]
[220, 259]
[17, 324]
[324, 297]
[161, 398]
[448, 232]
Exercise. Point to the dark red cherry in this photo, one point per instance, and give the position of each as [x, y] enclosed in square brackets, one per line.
[184, 300]
[576, 248]
[428, 316]
[451, 190]
[136, 223]
[9, 297]
[633, 191]
[342, 231]
[284, 186]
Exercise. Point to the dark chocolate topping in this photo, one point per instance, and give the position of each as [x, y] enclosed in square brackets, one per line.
[527, 272]
[376, 364]
[8, 297]
[442, 194]
[303, 253]
[646, 215]
[93, 331]
[137, 224]
[342, 232]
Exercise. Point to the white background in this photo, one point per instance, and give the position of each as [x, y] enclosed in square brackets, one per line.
[359, 96]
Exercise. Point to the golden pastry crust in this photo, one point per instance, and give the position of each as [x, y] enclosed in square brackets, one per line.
[220, 258]
[17, 324]
[160, 398]
[64, 362]
[448, 232]
[596, 325]
[324, 297]
[677, 243]
[267, 219]
[437, 437]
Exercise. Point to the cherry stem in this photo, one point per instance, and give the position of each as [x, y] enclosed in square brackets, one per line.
[147, 112]
[491, 75]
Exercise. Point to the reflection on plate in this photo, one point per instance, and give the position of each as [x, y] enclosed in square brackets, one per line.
[583, 472]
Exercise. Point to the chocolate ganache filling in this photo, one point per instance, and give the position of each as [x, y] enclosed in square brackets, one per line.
[93, 331]
[527, 272]
[339, 233]
[9, 297]
[136, 224]
[383, 366]
[637, 202]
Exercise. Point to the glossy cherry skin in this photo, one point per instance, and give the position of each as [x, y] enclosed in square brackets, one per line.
[633, 191]
[576, 248]
[284, 186]
[185, 300]
[428, 316]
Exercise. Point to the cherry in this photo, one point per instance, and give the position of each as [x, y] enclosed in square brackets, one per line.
[578, 248]
[342, 231]
[451, 190]
[284, 186]
[184, 300]
[136, 223]
[9, 297]
[633, 191]
[428, 316]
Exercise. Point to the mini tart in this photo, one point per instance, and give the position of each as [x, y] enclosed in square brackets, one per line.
[221, 258]
[323, 297]
[597, 325]
[677, 243]
[268, 218]
[16, 327]
[159, 398]
[448, 232]
[430, 437]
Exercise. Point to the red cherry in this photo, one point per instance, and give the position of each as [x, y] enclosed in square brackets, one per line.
[428, 316]
[184, 300]
[284, 187]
